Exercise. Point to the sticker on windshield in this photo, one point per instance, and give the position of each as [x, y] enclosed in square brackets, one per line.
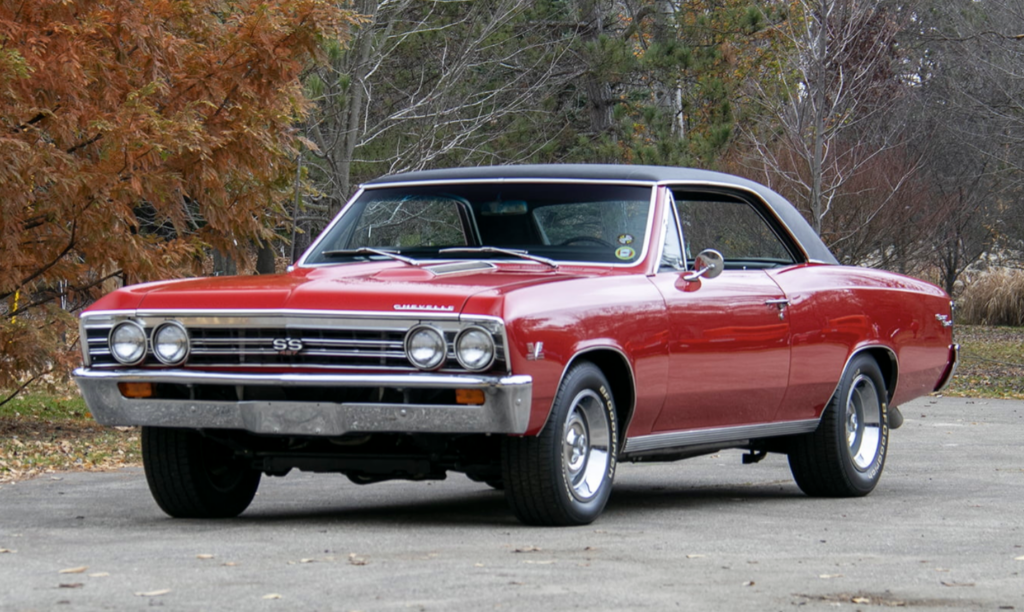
[625, 239]
[625, 253]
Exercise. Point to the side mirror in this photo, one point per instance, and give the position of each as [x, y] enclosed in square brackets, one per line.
[708, 264]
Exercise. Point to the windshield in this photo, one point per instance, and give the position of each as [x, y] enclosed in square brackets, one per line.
[582, 223]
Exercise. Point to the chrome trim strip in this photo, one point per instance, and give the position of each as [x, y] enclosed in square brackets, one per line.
[396, 381]
[718, 435]
[477, 181]
[280, 312]
[506, 407]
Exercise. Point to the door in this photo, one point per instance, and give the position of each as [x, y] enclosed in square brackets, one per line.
[729, 353]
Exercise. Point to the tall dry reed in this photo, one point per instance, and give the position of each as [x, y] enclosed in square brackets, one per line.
[995, 297]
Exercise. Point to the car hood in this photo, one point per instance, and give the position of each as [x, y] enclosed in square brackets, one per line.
[370, 287]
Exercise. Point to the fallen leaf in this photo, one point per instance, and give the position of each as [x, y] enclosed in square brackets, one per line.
[828, 576]
[72, 585]
[861, 600]
[74, 570]
[272, 596]
[307, 560]
[354, 559]
[153, 593]
[749, 583]
[204, 556]
[7, 550]
[527, 549]
[957, 584]
[695, 556]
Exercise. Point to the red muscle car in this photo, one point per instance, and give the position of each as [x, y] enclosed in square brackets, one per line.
[529, 326]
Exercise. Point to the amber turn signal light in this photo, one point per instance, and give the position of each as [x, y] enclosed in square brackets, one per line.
[135, 389]
[469, 396]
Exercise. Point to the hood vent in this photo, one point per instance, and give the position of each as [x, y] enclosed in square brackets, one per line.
[460, 266]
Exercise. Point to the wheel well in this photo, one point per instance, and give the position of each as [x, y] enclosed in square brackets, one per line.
[616, 369]
[887, 363]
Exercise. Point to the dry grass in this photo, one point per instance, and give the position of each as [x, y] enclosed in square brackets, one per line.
[991, 362]
[43, 434]
[995, 297]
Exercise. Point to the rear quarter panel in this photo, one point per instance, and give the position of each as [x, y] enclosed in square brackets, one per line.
[836, 311]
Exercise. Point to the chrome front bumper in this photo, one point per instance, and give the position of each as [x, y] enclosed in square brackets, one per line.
[506, 407]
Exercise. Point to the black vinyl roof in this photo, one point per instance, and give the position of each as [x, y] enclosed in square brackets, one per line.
[790, 216]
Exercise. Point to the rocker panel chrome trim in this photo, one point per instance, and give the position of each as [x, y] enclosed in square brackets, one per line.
[682, 439]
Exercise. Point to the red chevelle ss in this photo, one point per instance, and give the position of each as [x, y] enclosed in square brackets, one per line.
[529, 326]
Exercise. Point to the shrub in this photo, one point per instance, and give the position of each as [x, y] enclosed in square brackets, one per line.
[995, 297]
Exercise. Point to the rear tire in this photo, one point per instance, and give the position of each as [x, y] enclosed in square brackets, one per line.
[564, 475]
[845, 455]
[192, 476]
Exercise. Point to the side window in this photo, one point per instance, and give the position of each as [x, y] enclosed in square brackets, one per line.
[410, 222]
[732, 226]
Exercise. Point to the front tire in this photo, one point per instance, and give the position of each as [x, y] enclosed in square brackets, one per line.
[192, 476]
[564, 475]
[845, 455]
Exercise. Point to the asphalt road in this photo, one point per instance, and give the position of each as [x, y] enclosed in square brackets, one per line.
[943, 531]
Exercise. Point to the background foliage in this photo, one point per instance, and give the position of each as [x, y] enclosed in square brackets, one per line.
[133, 134]
[152, 139]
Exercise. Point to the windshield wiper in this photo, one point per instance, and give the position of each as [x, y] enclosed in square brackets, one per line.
[368, 251]
[513, 252]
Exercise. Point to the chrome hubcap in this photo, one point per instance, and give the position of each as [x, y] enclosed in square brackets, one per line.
[586, 445]
[863, 422]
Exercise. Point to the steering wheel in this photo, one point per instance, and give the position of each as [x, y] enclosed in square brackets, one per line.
[599, 241]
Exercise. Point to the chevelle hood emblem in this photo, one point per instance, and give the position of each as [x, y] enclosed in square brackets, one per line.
[432, 307]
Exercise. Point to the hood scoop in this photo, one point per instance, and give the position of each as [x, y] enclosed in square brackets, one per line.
[460, 266]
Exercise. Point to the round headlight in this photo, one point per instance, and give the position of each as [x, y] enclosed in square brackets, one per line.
[170, 343]
[425, 347]
[474, 349]
[128, 343]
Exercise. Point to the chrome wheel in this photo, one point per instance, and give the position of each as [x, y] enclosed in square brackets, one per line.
[845, 455]
[564, 475]
[863, 422]
[585, 445]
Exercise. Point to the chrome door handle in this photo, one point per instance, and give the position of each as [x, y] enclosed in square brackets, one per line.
[781, 303]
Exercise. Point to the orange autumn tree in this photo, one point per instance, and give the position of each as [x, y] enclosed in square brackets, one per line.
[135, 134]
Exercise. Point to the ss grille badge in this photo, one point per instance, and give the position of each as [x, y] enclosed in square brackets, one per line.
[287, 346]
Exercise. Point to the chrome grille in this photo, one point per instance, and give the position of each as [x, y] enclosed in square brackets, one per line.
[216, 346]
[327, 341]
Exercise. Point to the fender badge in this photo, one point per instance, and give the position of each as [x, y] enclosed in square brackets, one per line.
[534, 351]
[433, 307]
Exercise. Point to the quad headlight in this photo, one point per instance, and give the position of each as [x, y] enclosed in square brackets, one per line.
[425, 347]
[170, 343]
[474, 348]
[128, 343]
